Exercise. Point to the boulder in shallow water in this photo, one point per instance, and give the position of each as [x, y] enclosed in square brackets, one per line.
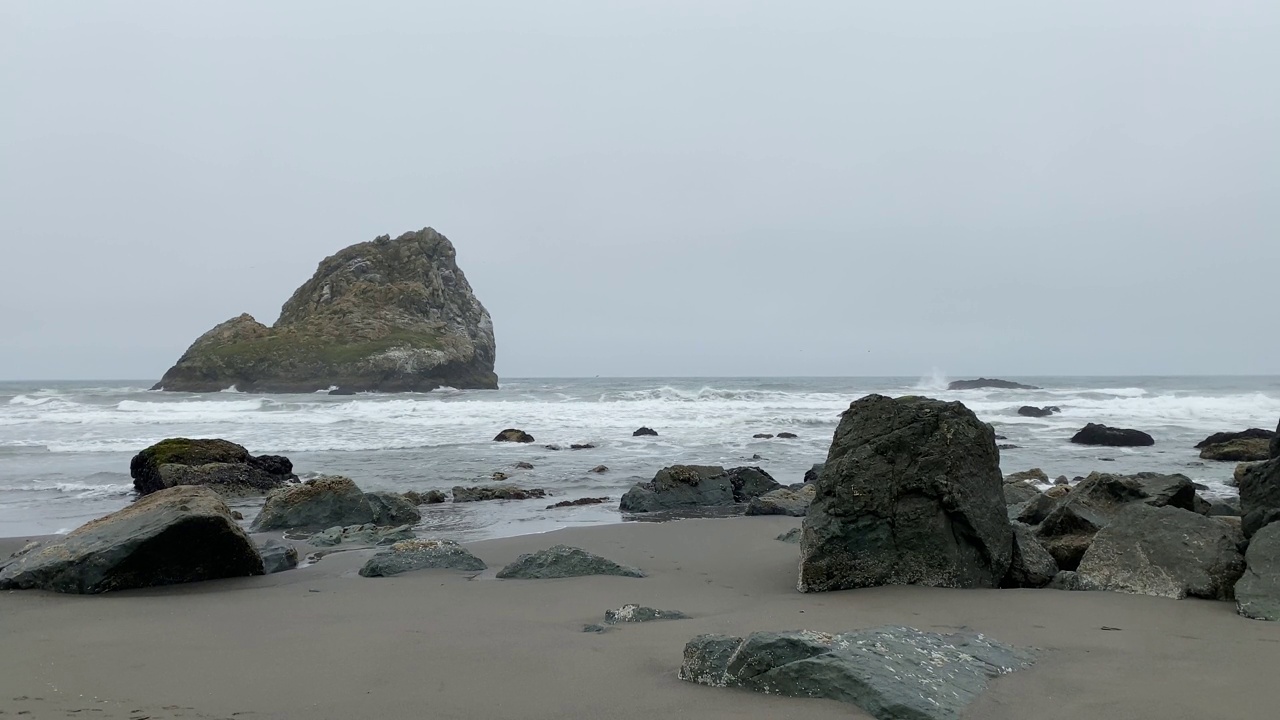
[1240, 450]
[177, 535]
[278, 556]
[218, 464]
[632, 613]
[462, 493]
[1224, 437]
[1258, 590]
[680, 486]
[562, 561]
[579, 502]
[367, 534]
[1037, 412]
[1166, 552]
[1095, 434]
[392, 509]
[408, 555]
[911, 494]
[645, 432]
[514, 435]
[787, 436]
[879, 670]
[430, 497]
[783, 501]
[318, 503]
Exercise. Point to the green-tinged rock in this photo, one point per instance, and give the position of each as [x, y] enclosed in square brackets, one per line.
[562, 561]
[893, 673]
[1240, 450]
[409, 555]
[1258, 590]
[387, 315]
[317, 503]
[632, 613]
[783, 501]
[367, 534]
[178, 535]
[392, 509]
[278, 556]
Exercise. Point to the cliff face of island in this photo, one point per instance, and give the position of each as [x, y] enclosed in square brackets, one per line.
[387, 315]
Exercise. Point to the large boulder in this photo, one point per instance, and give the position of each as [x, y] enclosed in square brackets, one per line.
[392, 509]
[1031, 565]
[1095, 434]
[177, 535]
[911, 493]
[1067, 529]
[318, 503]
[793, 501]
[1259, 494]
[1258, 590]
[222, 465]
[750, 482]
[680, 486]
[1038, 412]
[409, 555]
[1164, 551]
[463, 493]
[386, 315]
[562, 561]
[1240, 450]
[892, 673]
[988, 384]
[1225, 437]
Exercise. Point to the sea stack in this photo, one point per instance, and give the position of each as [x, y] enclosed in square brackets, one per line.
[386, 315]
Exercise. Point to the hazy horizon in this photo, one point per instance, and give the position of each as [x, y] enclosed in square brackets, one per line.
[658, 189]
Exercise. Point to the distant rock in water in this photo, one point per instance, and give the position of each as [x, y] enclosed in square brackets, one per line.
[1038, 412]
[220, 465]
[514, 435]
[1095, 434]
[387, 315]
[1239, 450]
[1225, 437]
[984, 383]
[644, 431]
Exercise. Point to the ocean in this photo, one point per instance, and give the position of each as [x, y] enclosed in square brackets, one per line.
[65, 446]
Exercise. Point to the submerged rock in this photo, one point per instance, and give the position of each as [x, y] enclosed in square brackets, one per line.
[278, 556]
[985, 383]
[367, 534]
[322, 502]
[783, 501]
[750, 482]
[220, 465]
[911, 494]
[387, 315]
[578, 502]
[177, 535]
[392, 509]
[430, 497]
[787, 436]
[892, 673]
[645, 431]
[1095, 434]
[409, 555]
[562, 561]
[1241, 450]
[600, 469]
[462, 493]
[514, 435]
[632, 613]
[1258, 590]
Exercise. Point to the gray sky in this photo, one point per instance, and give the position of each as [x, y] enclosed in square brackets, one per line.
[658, 188]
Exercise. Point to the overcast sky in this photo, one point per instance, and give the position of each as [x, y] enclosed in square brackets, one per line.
[658, 188]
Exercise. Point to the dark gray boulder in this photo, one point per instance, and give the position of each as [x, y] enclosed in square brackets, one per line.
[988, 384]
[562, 561]
[783, 501]
[430, 497]
[680, 486]
[462, 493]
[318, 503]
[1240, 450]
[218, 464]
[1258, 590]
[750, 482]
[911, 493]
[408, 555]
[1020, 493]
[1031, 565]
[632, 613]
[1259, 494]
[178, 535]
[1166, 552]
[1095, 434]
[392, 509]
[1224, 437]
[278, 556]
[892, 673]
[645, 432]
[513, 435]
[1038, 412]
[367, 534]
[811, 475]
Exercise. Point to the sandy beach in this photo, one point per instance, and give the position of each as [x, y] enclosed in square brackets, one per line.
[322, 642]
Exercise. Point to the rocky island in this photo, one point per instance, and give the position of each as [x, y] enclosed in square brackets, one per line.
[386, 315]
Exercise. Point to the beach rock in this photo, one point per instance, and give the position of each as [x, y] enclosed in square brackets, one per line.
[408, 555]
[811, 475]
[642, 432]
[430, 497]
[1258, 590]
[177, 535]
[680, 486]
[578, 502]
[1166, 552]
[1244, 450]
[495, 492]
[786, 436]
[366, 534]
[762, 436]
[1065, 580]
[911, 494]
[751, 482]
[1032, 475]
[1037, 412]
[387, 315]
[1031, 566]
[791, 536]
[1226, 437]
[514, 435]
[1020, 493]
[277, 556]
[783, 501]
[1224, 507]
[392, 509]
[322, 502]
[632, 613]
[562, 561]
[600, 469]
[1094, 434]
[880, 670]
[988, 383]
[522, 465]
[1259, 494]
[218, 464]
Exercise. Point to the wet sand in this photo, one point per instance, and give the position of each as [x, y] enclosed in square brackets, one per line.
[322, 642]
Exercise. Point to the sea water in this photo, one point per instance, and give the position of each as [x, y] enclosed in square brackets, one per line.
[65, 447]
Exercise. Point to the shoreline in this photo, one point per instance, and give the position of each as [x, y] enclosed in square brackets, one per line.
[322, 642]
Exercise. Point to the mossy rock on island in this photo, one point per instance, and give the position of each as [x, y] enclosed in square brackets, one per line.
[386, 315]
